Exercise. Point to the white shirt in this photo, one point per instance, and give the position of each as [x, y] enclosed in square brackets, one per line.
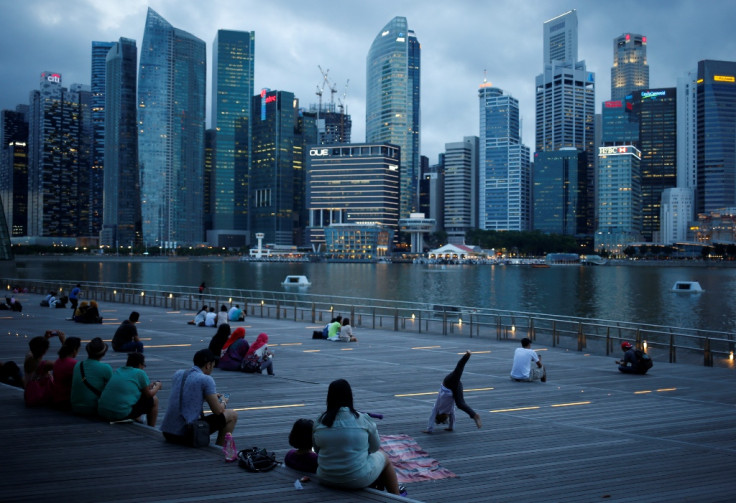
[522, 367]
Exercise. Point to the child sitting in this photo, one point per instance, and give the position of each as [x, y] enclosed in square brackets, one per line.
[302, 458]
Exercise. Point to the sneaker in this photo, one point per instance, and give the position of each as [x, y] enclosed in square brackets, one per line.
[402, 490]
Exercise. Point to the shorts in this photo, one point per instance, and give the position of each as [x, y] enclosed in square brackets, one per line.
[142, 406]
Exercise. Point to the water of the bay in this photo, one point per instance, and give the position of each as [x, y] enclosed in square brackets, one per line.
[640, 294]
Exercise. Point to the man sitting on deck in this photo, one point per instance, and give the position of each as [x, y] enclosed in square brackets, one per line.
[189, 388]
[126, 336]
[522, 369]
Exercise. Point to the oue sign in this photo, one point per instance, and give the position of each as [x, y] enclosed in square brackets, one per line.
[318, 152]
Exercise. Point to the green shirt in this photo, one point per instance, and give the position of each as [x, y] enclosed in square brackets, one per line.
[84, 400]
[121, 393]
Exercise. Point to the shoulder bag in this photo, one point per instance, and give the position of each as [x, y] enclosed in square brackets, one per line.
[198, 431]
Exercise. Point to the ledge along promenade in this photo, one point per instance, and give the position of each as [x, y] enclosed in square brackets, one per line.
[588, 434]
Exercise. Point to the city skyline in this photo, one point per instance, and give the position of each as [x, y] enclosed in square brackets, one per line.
[459, 41]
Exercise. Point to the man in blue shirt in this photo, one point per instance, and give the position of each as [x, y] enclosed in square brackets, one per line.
[185, 402]
[74, 297]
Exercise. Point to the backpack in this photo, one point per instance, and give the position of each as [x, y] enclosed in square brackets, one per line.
[643, 361]
[257, 460]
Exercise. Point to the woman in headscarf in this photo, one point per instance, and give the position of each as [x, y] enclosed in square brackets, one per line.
[235, 348]
[348, 447]
[218, 341]
[259, 358]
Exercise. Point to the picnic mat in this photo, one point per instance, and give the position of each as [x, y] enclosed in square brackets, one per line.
[411, 462]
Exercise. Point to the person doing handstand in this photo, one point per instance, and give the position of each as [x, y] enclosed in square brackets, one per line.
[450, 395]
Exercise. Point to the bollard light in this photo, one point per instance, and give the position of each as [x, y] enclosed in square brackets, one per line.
[730, 356]
[460, 322]
[230, 300]
[171, 295]
[263, 302]
[513, 328]
[143, 293]
[412, 316]
[645, 346]
[114, 292]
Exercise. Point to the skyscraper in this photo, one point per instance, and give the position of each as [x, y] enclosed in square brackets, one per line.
[232, 84]
[14, 168]
[97, 114]
[122, 198]
[559, 192]
[619, 198]
[630, 71]
[461, 188]
[656, 112]
[272, 172]
[565, 100]
[504, 166]
[392, 102]
[716, 130]
[57, 159]
[171, 116]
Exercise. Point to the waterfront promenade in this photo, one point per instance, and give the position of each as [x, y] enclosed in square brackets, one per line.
[588, 434]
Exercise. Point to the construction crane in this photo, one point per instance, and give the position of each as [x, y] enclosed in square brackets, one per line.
[341, 104]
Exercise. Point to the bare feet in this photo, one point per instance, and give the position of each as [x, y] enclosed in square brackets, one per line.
[477, 420]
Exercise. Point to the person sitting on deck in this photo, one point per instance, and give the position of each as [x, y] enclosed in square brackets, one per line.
[632, 362]
[90, 378]
[301, 458]
[37, 380]
[450, 395]
[89, 315]
[130, 393]
[259, 357]
[189, 389]
[236, 314]
[236, 347]
[222, 315]
[64, 370]
[210, 320]
[522, 369]
[218, 341]
[346, 332]
[333, 329]
[199, 317]
[126, 336]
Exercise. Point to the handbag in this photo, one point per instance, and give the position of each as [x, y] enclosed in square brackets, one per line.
[198, 431]
[257, 460]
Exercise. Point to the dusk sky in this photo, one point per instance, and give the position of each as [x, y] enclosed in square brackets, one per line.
[459, 39]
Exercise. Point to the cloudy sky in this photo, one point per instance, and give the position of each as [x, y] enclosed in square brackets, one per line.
[460, 40]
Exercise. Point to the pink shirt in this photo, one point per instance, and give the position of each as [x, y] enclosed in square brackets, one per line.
[63, 373]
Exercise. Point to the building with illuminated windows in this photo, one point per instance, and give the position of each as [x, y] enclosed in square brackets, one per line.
[392, 102]
[565, 100]
[14, 168]
[121, 218]
[232, 93]
[504, 170]
[461, 188]
[358, 241]
[355, 184]
[675, 215]
[716, 130]
[97, 87]
[630, 71]
[619, 198]
[280, 133]
[559, 192]
[171, 117]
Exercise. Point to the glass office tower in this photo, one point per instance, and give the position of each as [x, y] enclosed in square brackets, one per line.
[559, 192]
[619, 198]
[232, 92]
[171, 116]
[630, 71]
[393, 102]
[97, 174]
[505, 171]
[122, 201]
[716, 133]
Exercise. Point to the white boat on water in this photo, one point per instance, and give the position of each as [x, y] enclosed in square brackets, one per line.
[296, 281]
[687, 287]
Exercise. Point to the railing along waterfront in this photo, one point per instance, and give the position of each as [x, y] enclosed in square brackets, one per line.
[574, 333]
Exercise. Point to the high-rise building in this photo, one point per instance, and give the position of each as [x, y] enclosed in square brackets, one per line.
[171, 117]
[619, 198]
[565, 100]
[392, 102]
[619, 125]
[675, 214]
[687, 138]
[353, 183]
[14, 168]
[630, 71]
[232, 92]
[656, 112]
[273, 174]
[716, 130]
[504, 178]
[58, 159]
[461, 188]
[559, 192]
[97, 115]
[121, 222]
[334, 125]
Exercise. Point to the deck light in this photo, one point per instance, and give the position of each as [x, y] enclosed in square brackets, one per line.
[513, 328]
[143, 294]
[230, 300]
[171, 295]
[460, 322]
[114, 292]
[730, 356]
[645, 346]
[412, 316]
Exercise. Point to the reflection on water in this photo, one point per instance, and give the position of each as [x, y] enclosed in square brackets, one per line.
[626, 293]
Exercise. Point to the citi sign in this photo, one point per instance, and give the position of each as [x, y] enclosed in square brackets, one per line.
[318, 152]
[52, 77]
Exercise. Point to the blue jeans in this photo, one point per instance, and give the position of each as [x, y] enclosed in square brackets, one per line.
[131, 347]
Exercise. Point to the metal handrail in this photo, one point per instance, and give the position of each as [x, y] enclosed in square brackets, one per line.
[581, 334]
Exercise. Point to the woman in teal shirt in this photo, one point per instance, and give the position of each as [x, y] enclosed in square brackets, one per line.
[130, 394]
[348, 446]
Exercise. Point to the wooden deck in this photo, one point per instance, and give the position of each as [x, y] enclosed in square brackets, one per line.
[588, 434]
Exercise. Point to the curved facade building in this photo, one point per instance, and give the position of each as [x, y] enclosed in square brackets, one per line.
[171, 125]
[392, 102]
